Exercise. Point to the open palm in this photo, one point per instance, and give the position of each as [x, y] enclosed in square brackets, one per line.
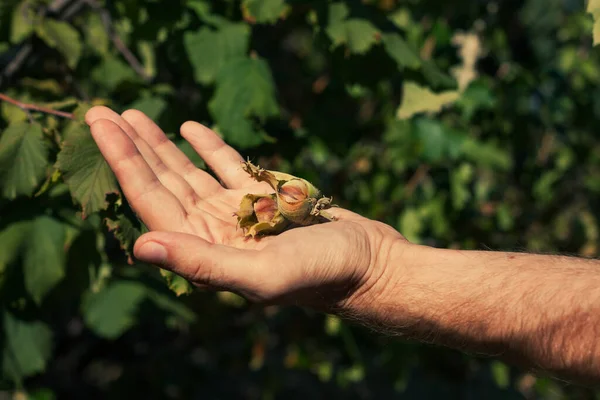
[194, 232]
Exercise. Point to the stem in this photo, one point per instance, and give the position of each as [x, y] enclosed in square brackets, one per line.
[107, 22]
[33, 107]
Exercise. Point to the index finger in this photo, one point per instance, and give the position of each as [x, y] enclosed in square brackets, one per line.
[156, 206]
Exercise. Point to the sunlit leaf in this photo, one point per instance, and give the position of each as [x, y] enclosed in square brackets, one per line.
[417, 99]
[593, 7]
[176, 283]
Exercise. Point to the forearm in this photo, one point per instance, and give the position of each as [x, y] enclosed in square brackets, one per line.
[540, 311]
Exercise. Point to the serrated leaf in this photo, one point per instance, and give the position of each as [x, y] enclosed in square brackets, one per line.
[417, 99]
[210, 50]
[61, 36]
[176, 283]
[27, 348]
[22, 23]
[23, 159]
[124, 231]
[245, 89]
[400, 51]
[359, 35]
[44, 257]
[263, 11]
[112, 311]
[85, 171]
[593, 7]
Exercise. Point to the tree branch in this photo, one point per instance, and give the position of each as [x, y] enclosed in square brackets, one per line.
[33, 107]
[118, 43]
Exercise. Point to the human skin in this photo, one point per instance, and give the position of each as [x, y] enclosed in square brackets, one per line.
[541, 312]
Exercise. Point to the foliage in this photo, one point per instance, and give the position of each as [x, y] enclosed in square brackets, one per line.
[464, 124]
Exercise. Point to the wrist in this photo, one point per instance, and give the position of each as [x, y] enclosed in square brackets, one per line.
[393, 268]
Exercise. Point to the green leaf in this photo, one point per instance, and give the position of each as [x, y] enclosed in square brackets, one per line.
[438, 142]
[12, 113]
[400, 51]
[44, 257]
[435, 77]
[124, 231]
[593, 8]
[61, 36]
[210, 50]
[417, 99]
[245, 89]
[172, 305]
[487, 154]
[22, 23]
[85, 171]
[27, 347]
[112, 72]
[12, 240]
[95, 35]
[176, 283]
[23, 159]
[460, 178]
[359, 35]
[200, 7]
[501, 374]
[263, 11]
[112, 311]
[153, 107]
[192, 154]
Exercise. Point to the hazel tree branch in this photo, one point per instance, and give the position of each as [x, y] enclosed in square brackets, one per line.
[27, 107]
[107, 21]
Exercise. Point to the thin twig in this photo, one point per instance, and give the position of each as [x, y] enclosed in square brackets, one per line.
[33, 107]
[118, 43]
[416, 179]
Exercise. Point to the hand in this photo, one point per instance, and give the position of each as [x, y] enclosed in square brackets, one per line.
[194, 233]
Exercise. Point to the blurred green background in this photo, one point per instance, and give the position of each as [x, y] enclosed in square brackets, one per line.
[462, 123]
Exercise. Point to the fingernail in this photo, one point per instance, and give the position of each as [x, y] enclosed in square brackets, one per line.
[152, 253]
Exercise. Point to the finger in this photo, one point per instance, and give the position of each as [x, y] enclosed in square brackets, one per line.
[343, 214]
[202, 182]
[155, 205]
[201, 262]
[221, 158]
[169, 179]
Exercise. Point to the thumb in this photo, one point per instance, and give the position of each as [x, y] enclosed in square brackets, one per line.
[197, 260]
